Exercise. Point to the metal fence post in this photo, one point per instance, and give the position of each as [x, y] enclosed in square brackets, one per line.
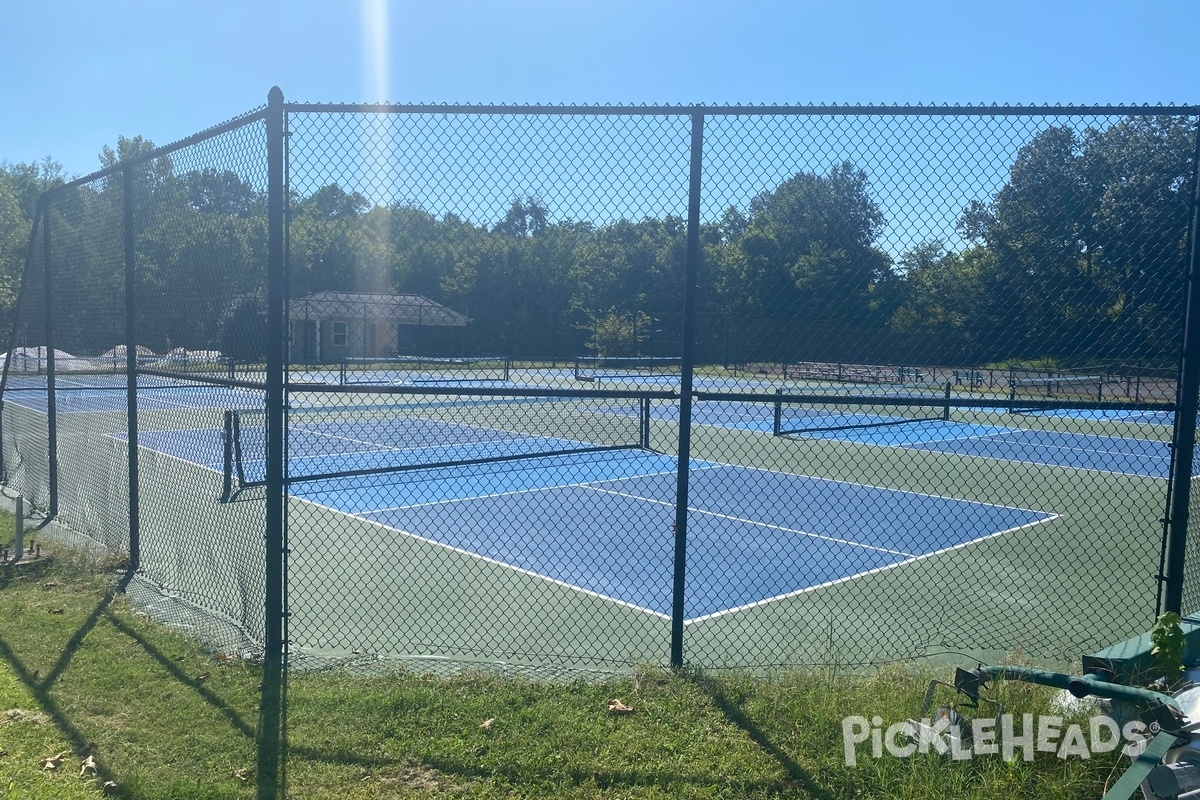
[51, 400]
[269, 744]
[1183, 442]
[691, 276]
[131, 366]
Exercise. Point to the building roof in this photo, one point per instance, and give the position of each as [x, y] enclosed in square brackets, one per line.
[398, 309]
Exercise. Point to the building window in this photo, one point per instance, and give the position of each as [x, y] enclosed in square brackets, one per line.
[339, 334]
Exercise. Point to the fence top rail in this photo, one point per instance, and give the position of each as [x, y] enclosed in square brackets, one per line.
[208, 133]
[835, 109]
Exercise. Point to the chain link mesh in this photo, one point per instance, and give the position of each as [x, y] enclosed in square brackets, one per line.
[196, 216]
[934, 376]
[934, 363]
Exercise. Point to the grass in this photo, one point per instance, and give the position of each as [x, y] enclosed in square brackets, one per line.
[166, 719]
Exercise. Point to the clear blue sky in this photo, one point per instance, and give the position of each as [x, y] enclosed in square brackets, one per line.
[78, 73]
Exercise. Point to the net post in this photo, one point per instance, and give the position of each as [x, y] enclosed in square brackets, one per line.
[236, 433]
[777, 417]
[131, 368]
[946, 408]
[227, 457]
[644, 419]
[51, 398]
[507, 369]
[342, 376]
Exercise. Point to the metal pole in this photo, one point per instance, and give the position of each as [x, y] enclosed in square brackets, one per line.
[131, 366]
[1187, 393]
[269, 742]
[51, 400]
[691, 277]
[19, 529]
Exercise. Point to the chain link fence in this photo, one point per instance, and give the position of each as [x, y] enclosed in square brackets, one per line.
[582, 388]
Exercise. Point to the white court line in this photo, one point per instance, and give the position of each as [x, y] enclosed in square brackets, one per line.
[882, 488]
[759, 523]
[380, 447]
[858, 575]
[626, 604]
[1054, 447]
[514, 492]
[487, 560]
[1091, 470]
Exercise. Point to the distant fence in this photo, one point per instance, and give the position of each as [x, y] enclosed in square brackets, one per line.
[716, 386]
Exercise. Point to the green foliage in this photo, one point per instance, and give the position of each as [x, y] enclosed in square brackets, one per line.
[1079, 253]
[1167, 642]
[616, 334]
[1086, 238]
[243, 327]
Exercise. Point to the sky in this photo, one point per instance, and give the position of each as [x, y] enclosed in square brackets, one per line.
[78, 73]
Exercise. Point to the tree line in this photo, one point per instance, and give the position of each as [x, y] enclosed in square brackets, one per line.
[1078, 258]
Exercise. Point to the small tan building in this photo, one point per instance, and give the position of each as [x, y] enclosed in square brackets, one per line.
[327, 326]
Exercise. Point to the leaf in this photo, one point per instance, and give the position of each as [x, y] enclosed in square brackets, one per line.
[54, 762]
[57, 611]
[48, 585]
[109, 786]
[487, 723]
[615, 706]
[88, 769]
[203, 676]
[243, 774]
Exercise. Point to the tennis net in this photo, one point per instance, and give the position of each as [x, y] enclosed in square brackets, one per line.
[359, 440]
[424, 369]
[1055, 387]
[590, 368]
[799, 414]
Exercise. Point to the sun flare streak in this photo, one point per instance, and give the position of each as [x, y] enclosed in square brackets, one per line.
[375, 50]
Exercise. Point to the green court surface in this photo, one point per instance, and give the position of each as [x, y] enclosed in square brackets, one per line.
[365, 592]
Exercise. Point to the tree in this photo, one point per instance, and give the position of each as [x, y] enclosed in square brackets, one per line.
[808, 248]
[1086, 241]
[14, 235]
[943, 291]
[243, 328]
[527, 218]
[222, 192]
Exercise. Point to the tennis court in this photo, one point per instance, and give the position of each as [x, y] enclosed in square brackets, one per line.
[771, 532]
[561, 503]
[1121, 455]
[108, 393]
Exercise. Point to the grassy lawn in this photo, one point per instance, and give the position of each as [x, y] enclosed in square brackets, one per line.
[165, 719]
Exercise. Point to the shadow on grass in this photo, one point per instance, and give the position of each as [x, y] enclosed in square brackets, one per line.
[208, 695]
[796, 774]
[40, 686]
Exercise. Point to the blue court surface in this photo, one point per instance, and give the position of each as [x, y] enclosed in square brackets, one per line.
[150, 398]
[754, 535]
[1121, 455]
